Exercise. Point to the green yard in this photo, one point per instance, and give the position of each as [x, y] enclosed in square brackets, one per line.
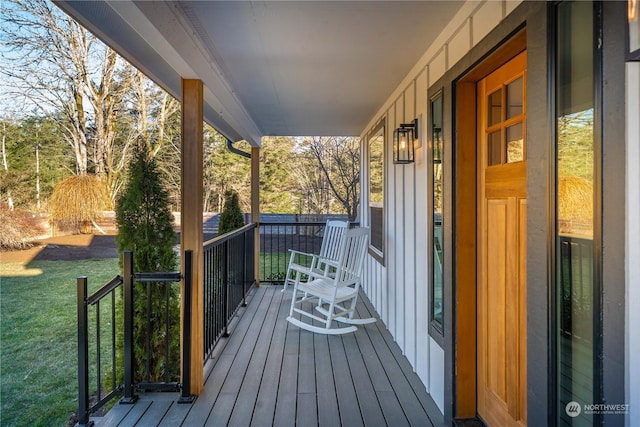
[273, 265]
[38, 339]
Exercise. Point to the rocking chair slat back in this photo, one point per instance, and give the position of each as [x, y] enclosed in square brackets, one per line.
[332, 240]
[334, 232]
[352, 259]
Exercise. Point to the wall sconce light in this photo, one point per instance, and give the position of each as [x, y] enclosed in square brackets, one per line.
[404, 139]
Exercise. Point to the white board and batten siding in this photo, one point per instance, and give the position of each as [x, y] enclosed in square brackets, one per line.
[399, 289]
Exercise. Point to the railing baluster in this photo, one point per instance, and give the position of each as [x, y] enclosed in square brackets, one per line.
[185, 395]
[113, 339]
[83, 353]
[98, 360]
[225, 287]
[147, 344]
[129, 396]
[244, 270]
[167, 298]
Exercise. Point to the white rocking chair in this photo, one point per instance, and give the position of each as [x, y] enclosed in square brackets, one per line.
[337, 293]
[320, 264]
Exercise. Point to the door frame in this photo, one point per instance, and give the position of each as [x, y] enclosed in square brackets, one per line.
[465, 236]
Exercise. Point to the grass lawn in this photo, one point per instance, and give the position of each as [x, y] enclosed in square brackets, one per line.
[273, 265]
[38, 338]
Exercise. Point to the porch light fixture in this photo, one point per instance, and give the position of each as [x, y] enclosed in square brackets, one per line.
[404, 139]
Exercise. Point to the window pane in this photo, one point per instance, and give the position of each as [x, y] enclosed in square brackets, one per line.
[494, 147]
[515, 144]
[376, 189]
[437, 157]
[376, 170]
[495, 108]
[576, 302]
[514, 98]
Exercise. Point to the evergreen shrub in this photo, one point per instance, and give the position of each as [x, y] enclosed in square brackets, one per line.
[231, 217]
[145, 225]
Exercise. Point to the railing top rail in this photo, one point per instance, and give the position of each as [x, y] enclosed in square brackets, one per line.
[228, 236]
[157, 277]
[104, 290]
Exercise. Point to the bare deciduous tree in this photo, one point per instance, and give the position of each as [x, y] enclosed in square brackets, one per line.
[57, 66]
[338, 162]
[46, 61]
[54, 64]
[5, 165]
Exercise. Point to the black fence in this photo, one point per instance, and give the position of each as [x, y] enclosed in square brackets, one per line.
[576, 353]
[91, 355]
[228, 276]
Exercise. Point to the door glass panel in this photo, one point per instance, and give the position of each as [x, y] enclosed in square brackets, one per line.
[495, 108]
[514, 98]
[577, 305]
[515, 144]
[494, 147]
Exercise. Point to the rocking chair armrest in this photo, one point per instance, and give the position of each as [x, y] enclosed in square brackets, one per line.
[325, 264]
[299, 267]
[316, 260]
[319, 267]
[295, 252]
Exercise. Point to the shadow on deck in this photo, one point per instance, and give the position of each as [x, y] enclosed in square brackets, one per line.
[271, 373]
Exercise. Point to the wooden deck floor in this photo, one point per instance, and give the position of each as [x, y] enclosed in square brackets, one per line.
[271, 373]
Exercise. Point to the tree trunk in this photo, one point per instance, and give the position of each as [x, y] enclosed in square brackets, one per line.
[4, 162]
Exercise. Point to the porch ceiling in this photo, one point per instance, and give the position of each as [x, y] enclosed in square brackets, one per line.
[273, 67]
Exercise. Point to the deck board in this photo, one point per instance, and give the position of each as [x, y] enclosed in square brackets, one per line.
[265, 405]
[345, 390]
[134, 416]
[247, 396]
[365, 393]
[271, 373]
[157, 410]
[327, 402]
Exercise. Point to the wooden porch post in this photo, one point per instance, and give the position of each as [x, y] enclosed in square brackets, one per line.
[191, 217]
[255, 207]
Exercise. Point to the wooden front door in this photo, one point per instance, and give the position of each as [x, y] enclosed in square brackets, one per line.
[501, 276]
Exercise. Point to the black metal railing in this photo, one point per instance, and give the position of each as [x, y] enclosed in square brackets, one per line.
[576, 282]
[166, 378]
[276, 238]
[107, 293]
[228, 276]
